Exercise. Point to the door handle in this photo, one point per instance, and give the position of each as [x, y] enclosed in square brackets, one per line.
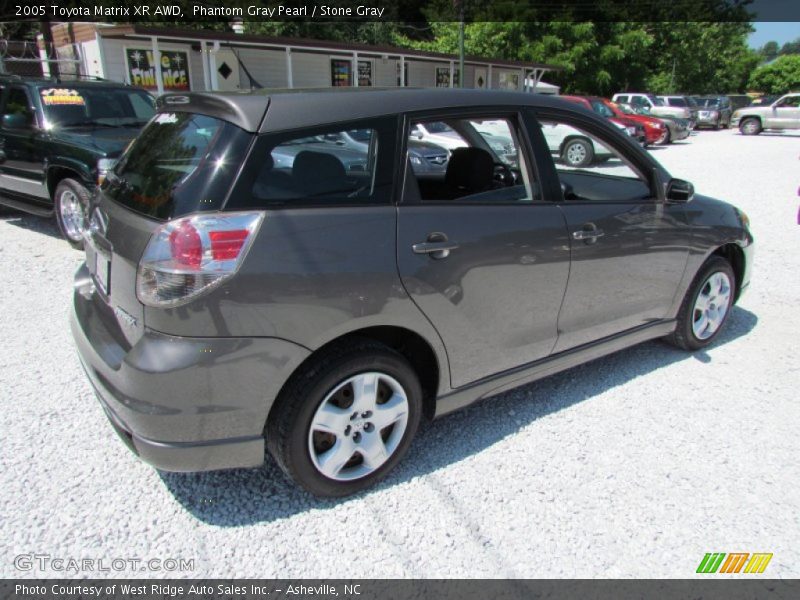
[588, 235]
[437, 246]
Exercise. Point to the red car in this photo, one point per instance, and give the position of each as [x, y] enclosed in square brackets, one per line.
[654, 129]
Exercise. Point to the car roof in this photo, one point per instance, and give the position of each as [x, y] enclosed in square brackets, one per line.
[298, 108]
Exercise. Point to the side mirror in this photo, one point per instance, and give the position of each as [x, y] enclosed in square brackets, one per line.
[16, 121]
[679, 191]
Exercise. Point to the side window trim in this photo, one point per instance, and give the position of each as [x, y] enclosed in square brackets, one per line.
[514, 114]
[648, 172]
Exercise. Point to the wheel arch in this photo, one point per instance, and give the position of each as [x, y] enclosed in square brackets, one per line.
[734, 254]
[57, 173]
[411, 345]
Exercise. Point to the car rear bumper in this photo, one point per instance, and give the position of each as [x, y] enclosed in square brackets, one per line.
[181, 404]
[708, 121]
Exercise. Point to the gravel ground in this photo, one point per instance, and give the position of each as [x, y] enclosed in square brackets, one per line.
[634, 465]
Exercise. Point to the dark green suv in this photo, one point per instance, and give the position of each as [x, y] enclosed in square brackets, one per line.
[57, 139]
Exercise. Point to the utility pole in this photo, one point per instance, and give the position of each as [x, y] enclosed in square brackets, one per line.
[460, 6]
[672, 77]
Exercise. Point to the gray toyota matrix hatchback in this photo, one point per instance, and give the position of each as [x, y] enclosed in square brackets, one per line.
[250, 281]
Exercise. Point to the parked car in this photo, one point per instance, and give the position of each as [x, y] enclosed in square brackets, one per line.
[650, 104]
[58, 137]
[424, 156]
[676, 129]
[714, 111]
[784, 113]
[576, 149]
[323, 319]
[438, 133]
[683, 102]
[739, 100]
[598, 105]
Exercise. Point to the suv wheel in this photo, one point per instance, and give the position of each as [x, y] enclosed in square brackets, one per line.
[706, 306]
[578, 153]
[71, 202]
[750, 126]
[663, 138]
[346, 420]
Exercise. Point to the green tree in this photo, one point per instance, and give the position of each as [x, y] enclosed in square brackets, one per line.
[790, 47]
[778, 77]
[769, 50]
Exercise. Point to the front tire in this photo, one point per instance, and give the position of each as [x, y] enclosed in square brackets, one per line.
[71, 203]
[750, 126]
[664, 139]
[578, 153]
[706, 306]
[346, 419]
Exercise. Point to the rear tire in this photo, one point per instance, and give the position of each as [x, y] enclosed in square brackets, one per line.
[706, 306]
[750, 126]
[71, 204]
[664, 139]
[578, 153]
[323, 446]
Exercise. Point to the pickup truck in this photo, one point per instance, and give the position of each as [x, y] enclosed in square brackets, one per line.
[784, 113]
[654, 106]
[58, 138]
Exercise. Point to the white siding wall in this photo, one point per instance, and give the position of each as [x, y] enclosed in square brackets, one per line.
[268, 67]
[311, 70]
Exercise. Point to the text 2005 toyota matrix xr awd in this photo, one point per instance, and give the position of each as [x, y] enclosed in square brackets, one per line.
[251, 282]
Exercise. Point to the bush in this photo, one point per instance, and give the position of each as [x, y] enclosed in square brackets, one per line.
[778, 77]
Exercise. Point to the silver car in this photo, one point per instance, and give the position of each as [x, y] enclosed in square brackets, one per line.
[784, 113]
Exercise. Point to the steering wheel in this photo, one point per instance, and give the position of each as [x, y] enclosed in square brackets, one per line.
[504, 175]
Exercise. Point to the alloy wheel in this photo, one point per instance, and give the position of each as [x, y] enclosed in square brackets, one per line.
[73, 215]
[358, 426]
[576, 154]
[711, 305]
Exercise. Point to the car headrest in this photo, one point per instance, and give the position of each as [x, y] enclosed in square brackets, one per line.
[317, 173]
[470, 170]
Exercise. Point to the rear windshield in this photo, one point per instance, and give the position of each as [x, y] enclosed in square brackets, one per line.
[67, 106]
[180, 163]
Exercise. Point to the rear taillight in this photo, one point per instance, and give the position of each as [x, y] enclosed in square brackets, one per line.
[189, 256]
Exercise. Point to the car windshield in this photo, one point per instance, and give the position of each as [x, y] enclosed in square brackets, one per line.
[69, 106]
[601, 109]
[708, 102]
[624, 108]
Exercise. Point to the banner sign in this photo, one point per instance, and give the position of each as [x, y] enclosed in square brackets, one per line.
[174, 69]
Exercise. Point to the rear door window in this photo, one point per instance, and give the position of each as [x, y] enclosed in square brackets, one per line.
[340, 164]
[180, 163]
[487, 165]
